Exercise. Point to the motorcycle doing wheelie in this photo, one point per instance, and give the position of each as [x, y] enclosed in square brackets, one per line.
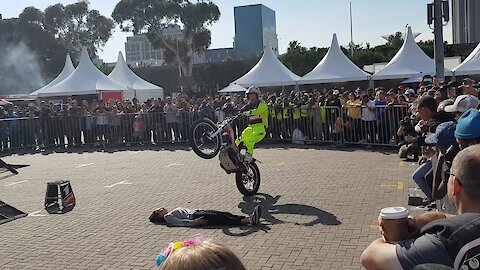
[209, 139]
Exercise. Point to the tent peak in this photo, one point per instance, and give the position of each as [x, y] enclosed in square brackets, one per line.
[120, 58]
[334, 67]
[334, 43]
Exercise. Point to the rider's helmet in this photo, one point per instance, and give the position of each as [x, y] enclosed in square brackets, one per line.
[253, 90]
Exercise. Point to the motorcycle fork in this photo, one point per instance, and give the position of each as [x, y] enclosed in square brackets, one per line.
[229, 131]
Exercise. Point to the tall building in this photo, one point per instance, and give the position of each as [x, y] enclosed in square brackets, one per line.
[139, 50]
[466, 21]
[219, 55]
[255, 28]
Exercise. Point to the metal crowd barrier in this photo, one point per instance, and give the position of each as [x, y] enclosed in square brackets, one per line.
[349, 125]
[358, 128]
[311, 124]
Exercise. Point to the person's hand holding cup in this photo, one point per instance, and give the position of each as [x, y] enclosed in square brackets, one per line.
[395, 224]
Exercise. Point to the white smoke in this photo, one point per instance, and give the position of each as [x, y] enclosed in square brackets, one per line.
[20, 70]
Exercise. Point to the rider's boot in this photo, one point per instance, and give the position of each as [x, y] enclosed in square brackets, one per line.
[247, 158]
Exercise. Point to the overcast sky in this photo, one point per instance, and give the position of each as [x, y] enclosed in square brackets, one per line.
[311, 22]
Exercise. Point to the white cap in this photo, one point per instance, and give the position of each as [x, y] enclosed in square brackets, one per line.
[410, 91]
[463, 103]
[394, 213]
[336, 92]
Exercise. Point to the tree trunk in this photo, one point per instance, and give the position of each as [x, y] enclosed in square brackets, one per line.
[191, 54]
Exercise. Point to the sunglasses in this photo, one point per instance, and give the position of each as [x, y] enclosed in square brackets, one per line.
[447, 175]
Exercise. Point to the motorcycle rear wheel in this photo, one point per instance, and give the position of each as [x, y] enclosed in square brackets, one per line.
[248, 183]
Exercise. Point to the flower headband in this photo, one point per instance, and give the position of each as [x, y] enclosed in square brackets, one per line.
[172, 247]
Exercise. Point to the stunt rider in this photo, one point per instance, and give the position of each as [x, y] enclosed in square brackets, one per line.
[257, 112]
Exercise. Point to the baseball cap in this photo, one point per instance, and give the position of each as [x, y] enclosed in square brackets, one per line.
[410, 91]
[431, 92]
[468, 126]
[336, 92]
[444, 135]
[468, 81]
[463, 103]
[453, 84]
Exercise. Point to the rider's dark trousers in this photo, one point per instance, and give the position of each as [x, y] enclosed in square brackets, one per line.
[218, 218]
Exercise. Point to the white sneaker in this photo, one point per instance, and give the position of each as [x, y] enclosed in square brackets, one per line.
[247, 158]
[256, 215]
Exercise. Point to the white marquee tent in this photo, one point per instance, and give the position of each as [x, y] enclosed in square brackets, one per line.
[85, 80]
[67, 70]
[136, 86]
[409, 61]
[269, 71]
[334, 67]
[471, 65]
[233, 88]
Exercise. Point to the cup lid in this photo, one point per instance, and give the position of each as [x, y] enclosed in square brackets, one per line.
[394, 212]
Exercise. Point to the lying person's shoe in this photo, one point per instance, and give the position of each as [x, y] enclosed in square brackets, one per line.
[255, 216]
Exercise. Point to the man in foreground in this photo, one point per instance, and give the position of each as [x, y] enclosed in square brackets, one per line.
[437, 238]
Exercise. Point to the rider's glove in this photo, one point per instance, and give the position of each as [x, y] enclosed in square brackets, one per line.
[247, 113]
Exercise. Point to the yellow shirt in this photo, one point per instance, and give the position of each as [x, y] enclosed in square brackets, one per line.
[352, 110]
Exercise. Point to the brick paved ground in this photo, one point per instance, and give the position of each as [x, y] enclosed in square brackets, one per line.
[321, 204]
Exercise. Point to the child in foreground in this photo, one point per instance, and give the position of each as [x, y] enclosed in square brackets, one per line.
[198, 254]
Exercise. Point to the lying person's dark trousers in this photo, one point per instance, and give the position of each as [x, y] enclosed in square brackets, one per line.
[218, 218]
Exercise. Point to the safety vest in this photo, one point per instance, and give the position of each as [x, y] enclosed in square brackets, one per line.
[286, 113]
[279, 114]
[323, 112]
[305, 112]
[272, 112]
[296, 113]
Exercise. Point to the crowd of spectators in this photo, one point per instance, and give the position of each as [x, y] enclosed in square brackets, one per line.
[432, 136]
[371, 116]
[443, 134]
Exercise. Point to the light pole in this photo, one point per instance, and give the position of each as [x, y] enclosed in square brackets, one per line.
[179, 68]
[438, 11]
[351, 30]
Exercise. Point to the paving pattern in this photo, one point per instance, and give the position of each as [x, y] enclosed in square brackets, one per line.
[320, 206]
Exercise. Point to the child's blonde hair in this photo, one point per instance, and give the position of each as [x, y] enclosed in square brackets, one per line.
[203, 256]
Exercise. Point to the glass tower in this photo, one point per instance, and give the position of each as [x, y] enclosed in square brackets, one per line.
[466, 21]
[255, 28]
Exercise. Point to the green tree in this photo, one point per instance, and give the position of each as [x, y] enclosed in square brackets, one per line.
[105, 69]
[427, 47]
[75, 26]
[396, 40]
[29, 29]
[301, 60]
[60, 29]
[152, 17]
[44, 38]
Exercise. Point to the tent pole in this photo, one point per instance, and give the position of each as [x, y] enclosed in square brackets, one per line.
[371, 83]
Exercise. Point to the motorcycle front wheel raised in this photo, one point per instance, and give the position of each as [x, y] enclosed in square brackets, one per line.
[202, 144]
